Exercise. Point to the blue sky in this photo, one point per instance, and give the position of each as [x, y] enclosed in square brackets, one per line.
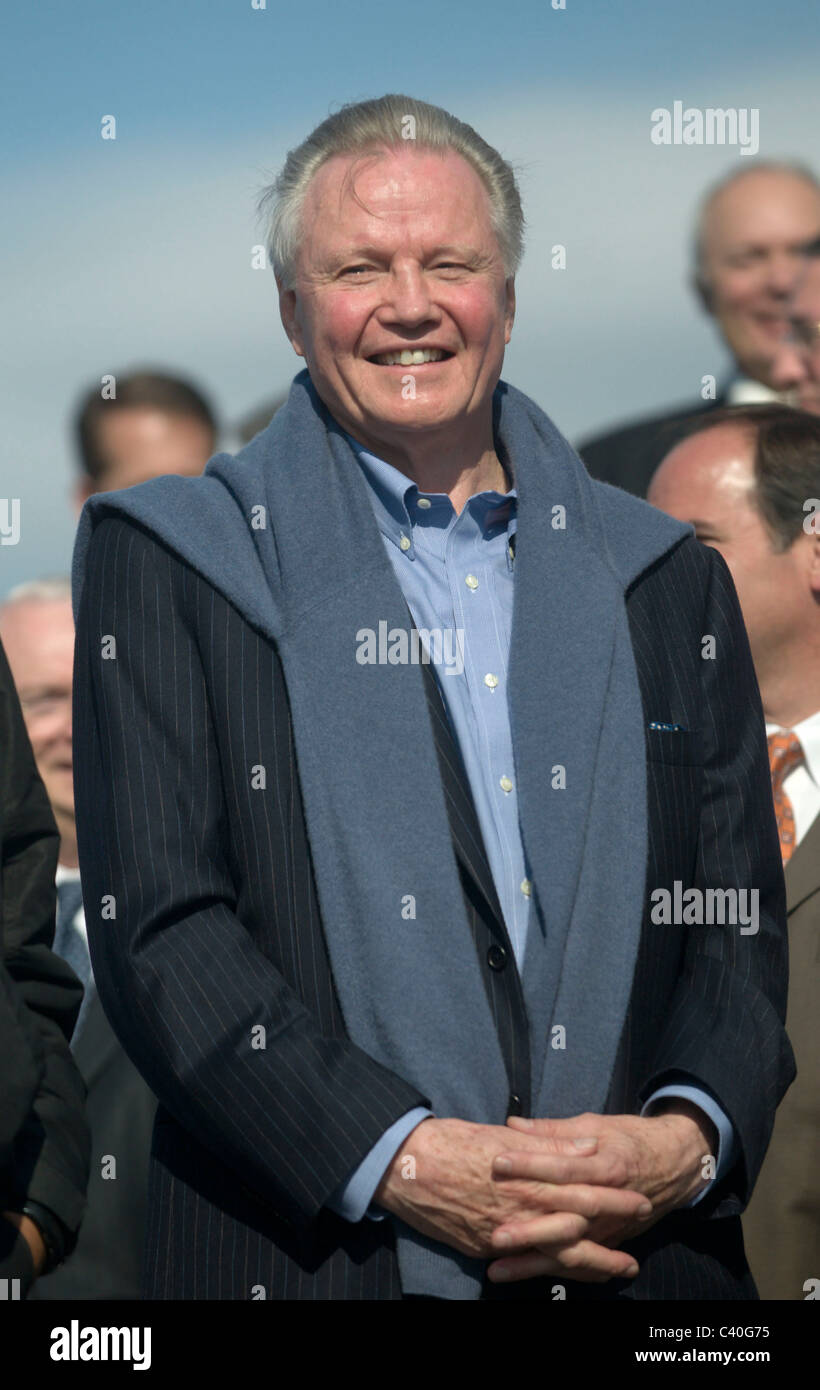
[138, 250]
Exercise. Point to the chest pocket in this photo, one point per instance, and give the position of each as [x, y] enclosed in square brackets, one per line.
[682, 749]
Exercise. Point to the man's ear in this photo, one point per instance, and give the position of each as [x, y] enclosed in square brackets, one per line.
[703, 292]
[814, 565]
[509, 313]
[287, 313]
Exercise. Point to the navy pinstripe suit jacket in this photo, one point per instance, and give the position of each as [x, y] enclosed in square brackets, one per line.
[217, 927]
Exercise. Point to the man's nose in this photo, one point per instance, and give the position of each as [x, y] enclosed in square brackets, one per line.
[409, 296]
[781, 274]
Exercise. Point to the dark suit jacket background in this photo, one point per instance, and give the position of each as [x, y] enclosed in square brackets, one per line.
[107, 1260]
[218, 925]
[628, 456]
[781, 1225]
[44, 1138]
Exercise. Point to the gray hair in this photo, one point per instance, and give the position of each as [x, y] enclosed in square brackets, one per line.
[49, 590]
[366, 126]
[760, 166]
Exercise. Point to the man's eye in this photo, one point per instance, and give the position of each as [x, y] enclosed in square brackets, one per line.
[349, 269]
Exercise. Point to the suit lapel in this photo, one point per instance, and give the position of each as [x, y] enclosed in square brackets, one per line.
[468, 841]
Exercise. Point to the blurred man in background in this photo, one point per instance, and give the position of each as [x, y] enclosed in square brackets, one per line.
[749, 246]
[743, 479]
[797, 364]
[44, 1138]
[37, 630]
[154, 424]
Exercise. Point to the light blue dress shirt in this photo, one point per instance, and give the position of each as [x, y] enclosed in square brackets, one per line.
[456, 574]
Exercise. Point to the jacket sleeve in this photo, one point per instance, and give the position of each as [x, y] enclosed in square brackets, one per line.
[726, 1024]
[41, 995]
[178, 972]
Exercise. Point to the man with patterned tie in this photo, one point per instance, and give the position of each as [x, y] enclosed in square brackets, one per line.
[37, 629]
[749, 480]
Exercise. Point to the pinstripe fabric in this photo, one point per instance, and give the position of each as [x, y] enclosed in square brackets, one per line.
[217, 932]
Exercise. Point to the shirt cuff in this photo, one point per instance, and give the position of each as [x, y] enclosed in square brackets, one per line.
[352, 1198]
[727, 1141]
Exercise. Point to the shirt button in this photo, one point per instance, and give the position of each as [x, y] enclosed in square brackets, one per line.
[471, 581]
[424, 502]
[505, 784]
[526, 887]
[405, 543]
[491, 680]
[496, 957]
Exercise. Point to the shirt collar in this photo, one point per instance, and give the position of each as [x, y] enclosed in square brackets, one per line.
[808, 731]
[65, 874]
[743, 390]
[396, 498]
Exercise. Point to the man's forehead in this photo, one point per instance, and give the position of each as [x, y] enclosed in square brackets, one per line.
[53, 614]
[720, 458]
[761, 206]
[395, 181]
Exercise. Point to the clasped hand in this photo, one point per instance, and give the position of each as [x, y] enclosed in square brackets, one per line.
[553, 1197]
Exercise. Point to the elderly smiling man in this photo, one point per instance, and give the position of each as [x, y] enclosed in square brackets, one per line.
[379, 932]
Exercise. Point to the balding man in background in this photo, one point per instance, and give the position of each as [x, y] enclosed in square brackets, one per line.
[155, 424]
[797, 364]
[749, 244]
[37, 631]
[743, 479]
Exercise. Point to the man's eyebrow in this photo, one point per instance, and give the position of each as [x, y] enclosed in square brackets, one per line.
[378, 252]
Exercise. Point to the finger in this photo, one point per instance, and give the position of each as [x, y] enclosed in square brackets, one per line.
[559, 1143]
[558, 1228]
[585, 1261]
[607, 1169]
[600, 1204]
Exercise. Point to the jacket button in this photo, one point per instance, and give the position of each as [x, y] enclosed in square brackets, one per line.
[496, 957]
[514, 1104]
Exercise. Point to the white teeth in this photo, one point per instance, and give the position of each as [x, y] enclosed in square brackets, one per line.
[409, 357]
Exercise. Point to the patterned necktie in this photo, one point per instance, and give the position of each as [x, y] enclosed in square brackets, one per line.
[70, 943]
[785, 754]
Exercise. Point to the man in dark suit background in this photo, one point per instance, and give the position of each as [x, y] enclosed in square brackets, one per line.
[154, 423]
[37, 629]
[751, 231]
[363, 915]
[797, 364]
[44, 1138]
[743, 479]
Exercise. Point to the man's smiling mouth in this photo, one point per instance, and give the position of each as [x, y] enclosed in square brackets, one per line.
[410, 357]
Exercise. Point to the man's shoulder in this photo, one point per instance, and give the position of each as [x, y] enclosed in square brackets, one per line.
[629, 454]
[196, 522]
[644, 427]
[641, 539]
